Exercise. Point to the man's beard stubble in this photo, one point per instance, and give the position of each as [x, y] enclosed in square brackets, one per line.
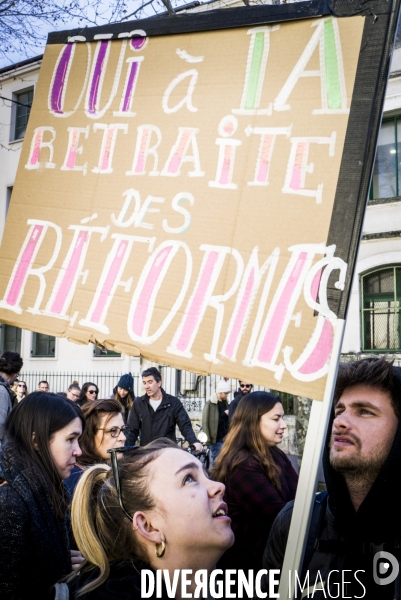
[357, 467]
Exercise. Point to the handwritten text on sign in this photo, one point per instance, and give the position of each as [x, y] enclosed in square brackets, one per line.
[177, 194]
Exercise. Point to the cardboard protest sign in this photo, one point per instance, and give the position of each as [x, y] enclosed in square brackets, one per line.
[196, 196]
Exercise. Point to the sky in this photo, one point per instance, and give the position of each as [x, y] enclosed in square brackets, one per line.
[74, 23]
[18, 56]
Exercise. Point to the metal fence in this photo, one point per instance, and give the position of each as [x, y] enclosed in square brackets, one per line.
[191, 388]
[396, 358]
[194, 389]
[59, 381]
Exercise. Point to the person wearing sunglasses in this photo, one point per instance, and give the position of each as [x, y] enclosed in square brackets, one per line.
[244, 389]
[89, 393]
[20, 389]
[154, 508]
[104, 430]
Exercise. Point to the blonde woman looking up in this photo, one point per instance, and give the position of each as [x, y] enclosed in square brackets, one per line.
[165, 512]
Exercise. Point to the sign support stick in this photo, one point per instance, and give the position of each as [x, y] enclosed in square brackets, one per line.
[314, 442]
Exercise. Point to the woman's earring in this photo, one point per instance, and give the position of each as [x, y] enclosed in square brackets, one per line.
[162, 551]
[135, 528]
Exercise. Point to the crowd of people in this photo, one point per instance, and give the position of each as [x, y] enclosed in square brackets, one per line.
[95, 490]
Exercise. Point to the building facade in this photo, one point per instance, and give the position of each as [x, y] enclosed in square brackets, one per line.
[373, 323]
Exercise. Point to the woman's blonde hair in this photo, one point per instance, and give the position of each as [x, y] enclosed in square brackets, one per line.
[245, 439]
[15, 387]
[102, 531]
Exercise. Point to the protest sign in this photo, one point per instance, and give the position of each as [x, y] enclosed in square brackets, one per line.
[192, 189]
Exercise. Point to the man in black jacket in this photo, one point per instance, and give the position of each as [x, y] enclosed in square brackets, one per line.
[354, 542]
[244, 389]
[156, 414]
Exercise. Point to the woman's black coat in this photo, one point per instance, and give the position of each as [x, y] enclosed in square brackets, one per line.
[34, 543]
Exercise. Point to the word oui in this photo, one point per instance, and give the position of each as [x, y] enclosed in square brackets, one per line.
[303, 275]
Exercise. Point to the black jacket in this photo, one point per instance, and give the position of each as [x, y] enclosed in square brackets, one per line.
[345, 539]
[232, 407]
[34, 543]
[151, 425]
[123, 583]
[71, 481]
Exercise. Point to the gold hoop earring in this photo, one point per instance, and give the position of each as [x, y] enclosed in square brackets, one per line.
[162, 551]
[135, 528]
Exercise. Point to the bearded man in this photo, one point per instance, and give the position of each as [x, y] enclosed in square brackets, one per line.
[354, 541]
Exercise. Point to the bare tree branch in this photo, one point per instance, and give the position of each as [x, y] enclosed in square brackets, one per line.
[136, 11]
[24, 24]
[14, 101]
[167, 4]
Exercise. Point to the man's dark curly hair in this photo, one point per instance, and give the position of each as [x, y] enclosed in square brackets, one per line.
[374, 372]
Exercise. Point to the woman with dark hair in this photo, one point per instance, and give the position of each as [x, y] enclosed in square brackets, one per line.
[42, 435]
[155, 508]
[258, 476]
[89, 392]
[124, 393]
[104, 429]
[10, 366]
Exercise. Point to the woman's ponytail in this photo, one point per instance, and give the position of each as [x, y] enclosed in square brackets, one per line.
[85, 522]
